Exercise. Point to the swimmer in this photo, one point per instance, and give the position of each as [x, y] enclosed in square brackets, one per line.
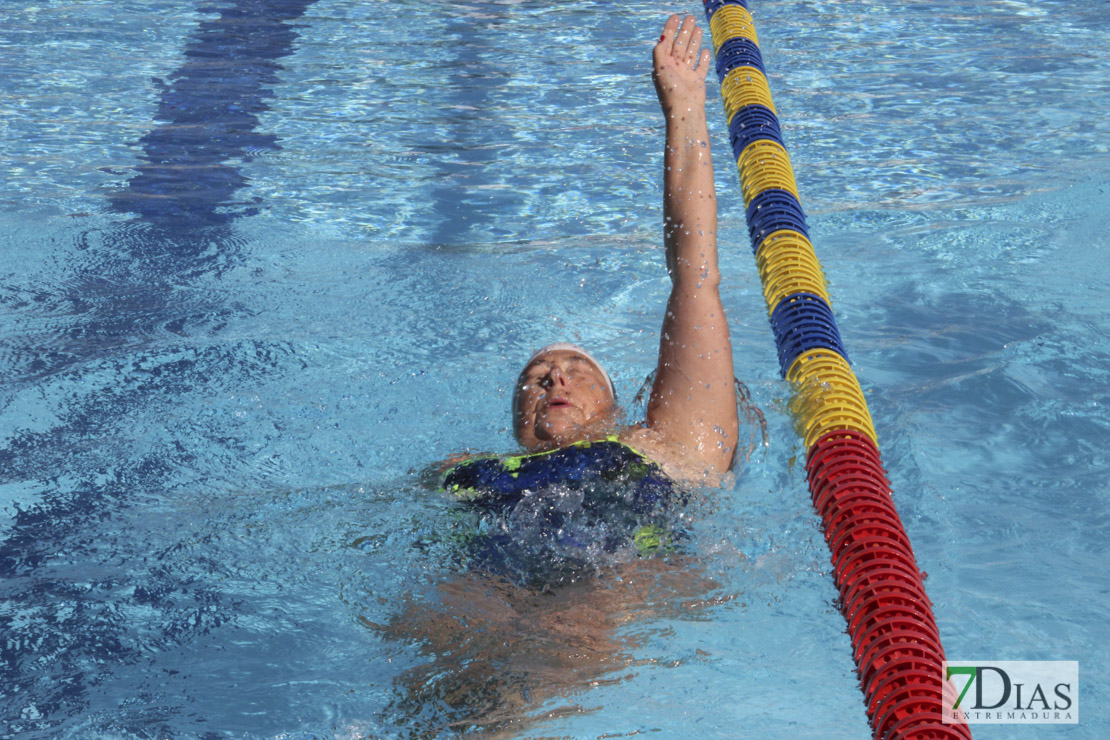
[588, 491]
[528, 621]
[564, 396]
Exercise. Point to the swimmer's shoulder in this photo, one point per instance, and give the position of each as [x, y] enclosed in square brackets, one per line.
[669, 456]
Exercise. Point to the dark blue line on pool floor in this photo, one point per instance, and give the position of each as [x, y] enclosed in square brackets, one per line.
[210, 112]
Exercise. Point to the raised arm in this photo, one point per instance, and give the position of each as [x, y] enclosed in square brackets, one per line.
[692, 411]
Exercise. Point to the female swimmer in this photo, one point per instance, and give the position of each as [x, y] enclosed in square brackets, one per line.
[530, 622]
[586, 490]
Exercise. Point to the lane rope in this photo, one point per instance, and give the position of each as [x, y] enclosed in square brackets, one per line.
[895, 641]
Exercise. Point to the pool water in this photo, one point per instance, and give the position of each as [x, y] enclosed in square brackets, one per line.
[264, 262]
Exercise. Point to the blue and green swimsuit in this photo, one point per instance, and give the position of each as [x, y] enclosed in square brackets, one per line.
[554, 516]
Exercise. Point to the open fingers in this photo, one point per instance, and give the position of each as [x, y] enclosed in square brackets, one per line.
[682, 38]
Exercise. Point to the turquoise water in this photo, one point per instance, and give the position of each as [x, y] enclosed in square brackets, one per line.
[256, 276]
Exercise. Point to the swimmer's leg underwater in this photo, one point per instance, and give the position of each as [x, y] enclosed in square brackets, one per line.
[497, 651]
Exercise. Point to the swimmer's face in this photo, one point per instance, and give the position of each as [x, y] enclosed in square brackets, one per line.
[561, 397]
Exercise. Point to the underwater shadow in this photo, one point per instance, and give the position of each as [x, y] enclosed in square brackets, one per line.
[496, 651]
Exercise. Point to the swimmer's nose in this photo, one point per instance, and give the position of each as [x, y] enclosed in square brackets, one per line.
[557, 377]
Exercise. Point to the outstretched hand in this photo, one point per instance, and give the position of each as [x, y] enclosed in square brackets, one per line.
[679, 68]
